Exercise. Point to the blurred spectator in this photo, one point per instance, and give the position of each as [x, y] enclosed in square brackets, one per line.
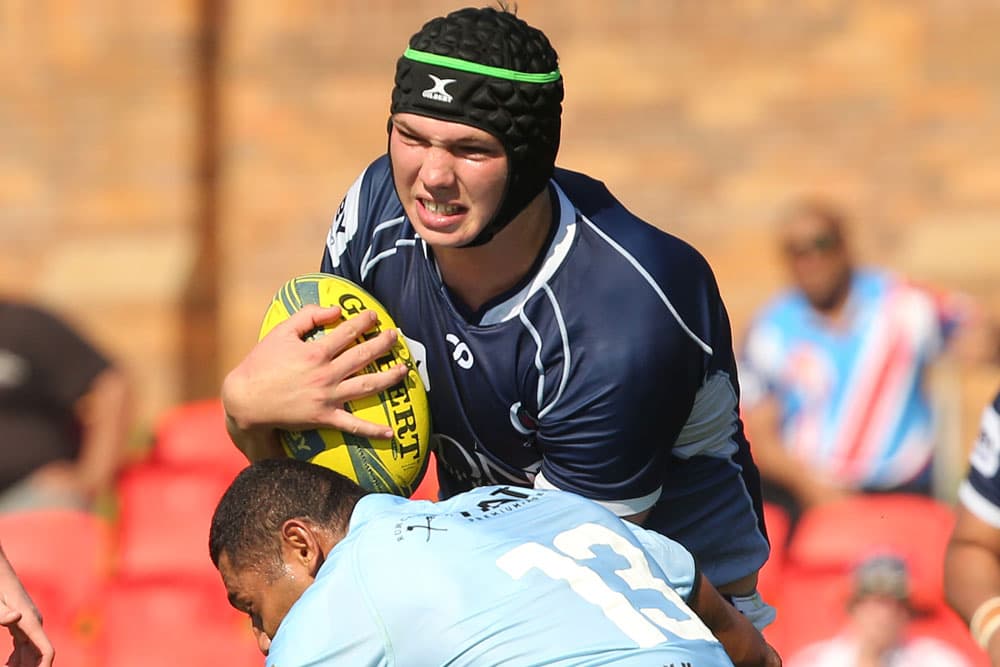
[19, 615]
[972, 566]
[63, 413]
[875, 633]
[833, 370]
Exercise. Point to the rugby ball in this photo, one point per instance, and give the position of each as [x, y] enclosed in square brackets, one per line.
[386, 466]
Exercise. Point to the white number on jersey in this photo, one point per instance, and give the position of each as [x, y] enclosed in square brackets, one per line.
[643, 626]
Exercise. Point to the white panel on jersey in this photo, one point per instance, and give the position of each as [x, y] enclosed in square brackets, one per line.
[544, 402]
[345, 223]
[557, 252]
[710, 427]
[985, 457]
[978, 505]
[618, 507]
[368, 262]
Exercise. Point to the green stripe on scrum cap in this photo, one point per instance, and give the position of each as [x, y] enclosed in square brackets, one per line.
[476, 68]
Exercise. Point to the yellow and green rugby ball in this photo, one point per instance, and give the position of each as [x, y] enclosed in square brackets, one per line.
[387, 466]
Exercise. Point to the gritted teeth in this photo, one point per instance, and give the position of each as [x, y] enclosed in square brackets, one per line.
[441, 209]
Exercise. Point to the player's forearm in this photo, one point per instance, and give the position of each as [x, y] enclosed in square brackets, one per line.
[256, 443]
[972, 576]
[106, 414]
[779, 466]
[972, 583]
[744, 644]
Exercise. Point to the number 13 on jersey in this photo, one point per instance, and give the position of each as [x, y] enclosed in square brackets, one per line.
[644, 626]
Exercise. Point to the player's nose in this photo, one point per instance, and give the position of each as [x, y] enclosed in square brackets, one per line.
[437, 169]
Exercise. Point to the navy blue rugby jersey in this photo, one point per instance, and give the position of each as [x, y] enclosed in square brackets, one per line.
[608, 371]
[980, 491]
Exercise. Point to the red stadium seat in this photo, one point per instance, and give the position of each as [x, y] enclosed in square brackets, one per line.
[831, 540]
[839, 535]
[778, 524]
[812, 607]
[63, 558]
[169, 623]
[194, 434]
[164, 521]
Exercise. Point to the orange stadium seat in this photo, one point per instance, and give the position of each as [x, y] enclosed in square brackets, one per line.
[163, 624]
[63, 557]
[194, 434]
[164, 518]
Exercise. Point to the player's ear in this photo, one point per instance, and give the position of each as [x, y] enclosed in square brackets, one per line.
[299, 543]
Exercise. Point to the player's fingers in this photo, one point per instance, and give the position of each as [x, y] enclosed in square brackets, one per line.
[47, 656]
[346, 333]
[9, 616]
[369, 384]
[356, 358]
[310, 317]
[347, 423]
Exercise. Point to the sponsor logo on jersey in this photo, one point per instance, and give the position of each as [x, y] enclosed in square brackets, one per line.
[437, 91]
[474, 468]
[460, 352]
[402, 528]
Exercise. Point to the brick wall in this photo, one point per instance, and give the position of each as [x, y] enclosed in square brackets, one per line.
[704, 117]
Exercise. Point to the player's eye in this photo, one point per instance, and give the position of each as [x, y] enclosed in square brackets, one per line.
[408, 137]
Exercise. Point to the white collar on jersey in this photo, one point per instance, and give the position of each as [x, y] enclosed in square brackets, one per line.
[557, 251]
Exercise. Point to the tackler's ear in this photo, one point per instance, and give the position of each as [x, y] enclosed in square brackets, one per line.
[299, 543]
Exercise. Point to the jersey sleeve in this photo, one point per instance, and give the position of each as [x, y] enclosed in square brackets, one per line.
[351, 243]
[980, 491]
[645, 379]
[953, 310]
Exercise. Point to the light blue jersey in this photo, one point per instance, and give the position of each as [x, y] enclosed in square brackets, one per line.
[497, 576]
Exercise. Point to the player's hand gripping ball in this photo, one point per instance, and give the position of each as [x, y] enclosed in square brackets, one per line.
[390, 466]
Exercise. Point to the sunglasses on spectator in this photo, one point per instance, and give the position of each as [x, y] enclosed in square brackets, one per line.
[822, 244]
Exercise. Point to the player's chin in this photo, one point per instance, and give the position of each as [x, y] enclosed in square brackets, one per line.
[445, 237]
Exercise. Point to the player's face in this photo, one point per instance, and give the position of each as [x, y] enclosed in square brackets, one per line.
[264, 593]
[450, 177]
[818, 259]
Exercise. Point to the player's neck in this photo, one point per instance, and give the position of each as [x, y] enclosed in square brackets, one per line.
[476, 275]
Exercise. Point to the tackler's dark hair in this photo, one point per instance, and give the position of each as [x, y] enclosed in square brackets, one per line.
[489, 69]
[265, 495]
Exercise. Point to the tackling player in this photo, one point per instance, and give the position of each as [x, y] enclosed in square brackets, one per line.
[564, 342]
[500, 575]
[972, 566]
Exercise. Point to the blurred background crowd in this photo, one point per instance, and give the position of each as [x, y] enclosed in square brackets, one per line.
[168, 165]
